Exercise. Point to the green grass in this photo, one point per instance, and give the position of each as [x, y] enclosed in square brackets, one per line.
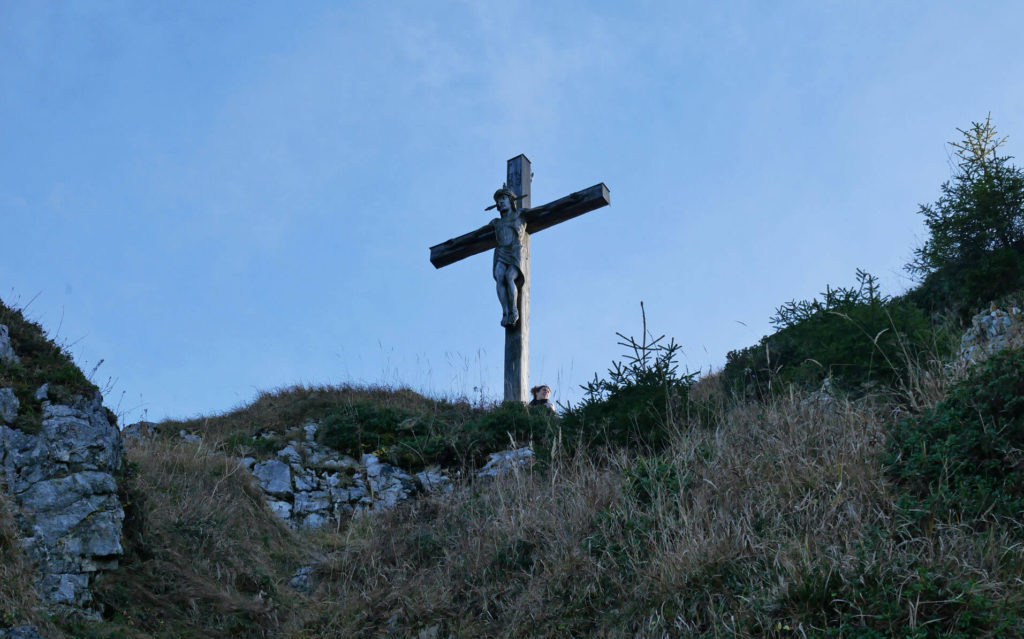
[41, 361]
[399, 425]
[881, 516]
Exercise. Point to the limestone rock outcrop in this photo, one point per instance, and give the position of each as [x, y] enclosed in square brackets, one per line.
[62, 482]
[7, 353]
[506, 461]
[20, 632]
[991, 331]
[309, 485]
[9, 406]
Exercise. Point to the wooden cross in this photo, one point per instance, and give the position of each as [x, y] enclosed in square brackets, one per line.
[517, 337]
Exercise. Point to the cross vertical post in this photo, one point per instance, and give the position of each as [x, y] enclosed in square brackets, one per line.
[514, 228]
[517, 337]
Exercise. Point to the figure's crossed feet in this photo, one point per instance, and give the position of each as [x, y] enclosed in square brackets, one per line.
[509, 320]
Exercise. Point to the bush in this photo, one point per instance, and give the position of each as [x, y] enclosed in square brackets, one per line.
[961, 459]
[964, 286]
[640, 401]
[855, 336]
[401, 437]
[415, 440]
[511, 424]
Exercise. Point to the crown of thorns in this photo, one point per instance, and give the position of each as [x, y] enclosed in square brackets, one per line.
[504, 190]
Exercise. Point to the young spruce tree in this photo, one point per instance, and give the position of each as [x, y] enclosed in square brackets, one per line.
[975, 252]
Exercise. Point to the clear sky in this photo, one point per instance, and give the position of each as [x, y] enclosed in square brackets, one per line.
[219, 198]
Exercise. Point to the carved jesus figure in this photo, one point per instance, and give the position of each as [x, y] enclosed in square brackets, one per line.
[509, 232]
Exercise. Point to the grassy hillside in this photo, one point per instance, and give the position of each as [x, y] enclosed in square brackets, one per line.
[798, 514]
[781, 518]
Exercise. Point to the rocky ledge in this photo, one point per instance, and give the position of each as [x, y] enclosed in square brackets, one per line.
[309, 485]
[62, 482]
[991, 331]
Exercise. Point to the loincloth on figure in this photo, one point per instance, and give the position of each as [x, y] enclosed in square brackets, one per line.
[509, 233]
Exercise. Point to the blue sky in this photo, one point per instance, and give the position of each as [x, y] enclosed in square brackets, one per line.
[217, 199]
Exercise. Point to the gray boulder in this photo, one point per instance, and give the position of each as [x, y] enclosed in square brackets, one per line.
[433, 480]
[314, 520]
[506, 461]
[991, 331]
[7, 354]
[274, 477]
[282, 509]
[310, 430]
[8, 406]
[139, 431]
[290, 453]
[317, 501]
[302, 580]
[387, 484]
[304, 479]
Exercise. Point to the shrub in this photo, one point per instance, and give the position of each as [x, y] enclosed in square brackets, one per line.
[965, 285]
[651, 479]
[415, 440]
[510, 424]
[640, 401]
[855, 336]
[961, 459]
[400, 436]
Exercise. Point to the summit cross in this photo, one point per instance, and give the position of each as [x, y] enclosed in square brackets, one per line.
[509, 235]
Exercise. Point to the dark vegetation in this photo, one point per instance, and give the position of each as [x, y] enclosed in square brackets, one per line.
[41, 361]
[639, 401]
[400, 426]
[855, 337]
[858, 338]
[975, 250]
[748, 503]
[961, 461]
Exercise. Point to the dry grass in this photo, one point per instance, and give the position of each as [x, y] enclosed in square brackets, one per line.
[779, 521]
[579, 550]
[741, 533]
[204, 556]
[19, 602]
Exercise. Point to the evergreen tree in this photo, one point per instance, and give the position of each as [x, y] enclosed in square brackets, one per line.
[975, 251]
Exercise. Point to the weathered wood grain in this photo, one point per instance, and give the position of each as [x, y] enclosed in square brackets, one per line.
[537, 219]
[517, 338]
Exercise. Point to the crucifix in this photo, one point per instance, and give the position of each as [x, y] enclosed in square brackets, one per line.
[509, 236]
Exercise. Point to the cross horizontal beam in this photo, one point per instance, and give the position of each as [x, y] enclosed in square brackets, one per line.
[537, 219]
